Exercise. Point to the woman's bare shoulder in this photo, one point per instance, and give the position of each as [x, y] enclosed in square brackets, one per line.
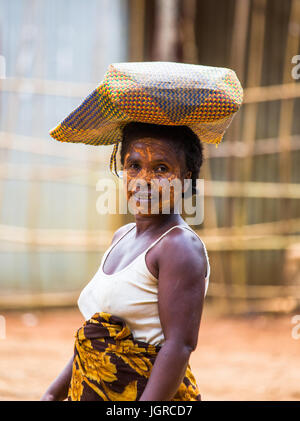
[122, 230]
[182, 239]
[182, 246]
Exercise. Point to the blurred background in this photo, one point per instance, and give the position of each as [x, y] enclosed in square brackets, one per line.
[53, 53]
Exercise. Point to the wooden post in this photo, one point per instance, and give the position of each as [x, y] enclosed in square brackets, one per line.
[189, 46]
[237, 63]
[286, 113]
[136, 30]
[166, 34]
[287, 106]
[256, 51]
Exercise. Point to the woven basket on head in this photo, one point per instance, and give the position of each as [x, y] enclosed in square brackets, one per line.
[203, 98]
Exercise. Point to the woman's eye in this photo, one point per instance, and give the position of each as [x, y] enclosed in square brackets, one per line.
[161, 168]
[134, 166]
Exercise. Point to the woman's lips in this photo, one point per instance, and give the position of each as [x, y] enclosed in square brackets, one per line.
[146, 195]
[142, 195]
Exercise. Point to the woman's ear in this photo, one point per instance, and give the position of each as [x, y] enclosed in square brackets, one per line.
[188, 174]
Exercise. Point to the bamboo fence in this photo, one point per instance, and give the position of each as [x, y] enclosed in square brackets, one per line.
[252, 223]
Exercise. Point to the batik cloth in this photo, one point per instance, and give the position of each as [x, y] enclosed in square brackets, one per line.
[110, 365]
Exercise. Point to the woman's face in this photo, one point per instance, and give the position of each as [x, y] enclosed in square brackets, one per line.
[151, 170]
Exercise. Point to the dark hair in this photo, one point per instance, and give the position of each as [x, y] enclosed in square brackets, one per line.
[182, 137]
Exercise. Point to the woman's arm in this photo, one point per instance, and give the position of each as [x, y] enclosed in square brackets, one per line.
[180, 299]
[58, 390]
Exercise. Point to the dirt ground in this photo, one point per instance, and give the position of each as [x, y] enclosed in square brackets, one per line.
[254, 358]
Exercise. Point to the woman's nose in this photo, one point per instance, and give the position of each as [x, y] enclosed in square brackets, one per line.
[143, 180]
[146, 175]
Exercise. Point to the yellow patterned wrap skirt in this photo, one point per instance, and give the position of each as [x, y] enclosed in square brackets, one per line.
[110, 365]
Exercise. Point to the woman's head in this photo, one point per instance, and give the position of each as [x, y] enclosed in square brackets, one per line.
[180, 139]
[150, 151]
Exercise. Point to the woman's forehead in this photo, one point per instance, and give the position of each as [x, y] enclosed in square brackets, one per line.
[158, 148]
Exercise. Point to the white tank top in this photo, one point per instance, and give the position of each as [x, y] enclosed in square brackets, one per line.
[131, 293]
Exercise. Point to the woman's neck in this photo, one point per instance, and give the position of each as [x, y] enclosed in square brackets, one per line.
[152, 223]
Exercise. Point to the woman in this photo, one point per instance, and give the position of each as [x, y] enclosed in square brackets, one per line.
[143, 306]
[159, 299]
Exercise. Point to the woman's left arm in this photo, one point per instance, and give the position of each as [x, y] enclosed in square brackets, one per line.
[181, 291]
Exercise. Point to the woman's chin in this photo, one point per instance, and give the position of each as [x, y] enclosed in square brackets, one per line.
[148, 208]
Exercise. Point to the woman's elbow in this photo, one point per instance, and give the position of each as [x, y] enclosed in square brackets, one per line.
[181, 347]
